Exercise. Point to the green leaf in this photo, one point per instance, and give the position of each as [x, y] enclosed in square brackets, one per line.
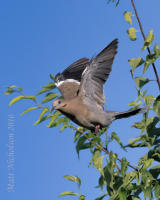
[11, 90]
[157, 191]
[156, 106]
[30, 109]
[62, 120]
[146, 65]
[101, 182]
[115, 137]
[108, 173]
[155, 153]
[122, 194]
[78, 181]
[135, 144]
[44, 111]
[75, 179]
[135, 198]
[66, 124]
[68, 193]
[82, 197]
[114, 1]
[49, 97]
[52, 77]
[149, 99]
[101, 198]
[132, 33]
[138, 177]
[47, 88]
[149, 40]
[20, 98]
[14, 86]
[151, 58]
[42, 119]
[152, 130]
[81, 144]
[135, 62]
[156, 50]
[146, 177]
[82, 147]
[113, 158]
[155, 171]
[136, 139]
[127, 16]
[129, 177]
[98, 164]
[148, 192]
[77, 135]
[134, 103]
[50, 85]
[148, 163]
[124, 164]
[43, 90]
[139, 125]
[141, 81]
[55, 116]
[95, 156]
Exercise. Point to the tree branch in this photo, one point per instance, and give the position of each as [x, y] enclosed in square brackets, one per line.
[144, 37]
[106, 151]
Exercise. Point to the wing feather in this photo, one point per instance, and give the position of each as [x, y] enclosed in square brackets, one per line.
[68, 81]
[96, 74]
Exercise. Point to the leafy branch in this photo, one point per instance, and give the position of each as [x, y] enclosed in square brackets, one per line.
[144, 37]
[101, 148]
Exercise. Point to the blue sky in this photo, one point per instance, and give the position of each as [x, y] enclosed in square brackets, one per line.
[43, 37]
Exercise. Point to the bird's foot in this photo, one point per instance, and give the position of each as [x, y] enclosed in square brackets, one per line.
[96, 129]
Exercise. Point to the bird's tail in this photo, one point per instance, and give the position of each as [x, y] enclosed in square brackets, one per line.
[130, 113]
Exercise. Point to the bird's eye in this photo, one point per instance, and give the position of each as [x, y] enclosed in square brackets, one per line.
[59, 102]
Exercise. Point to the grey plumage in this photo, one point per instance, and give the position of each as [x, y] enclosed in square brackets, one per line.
[68, 81]
[96, 74]
[82, 85]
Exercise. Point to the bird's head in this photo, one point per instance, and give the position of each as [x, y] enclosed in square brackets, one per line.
[59, 104]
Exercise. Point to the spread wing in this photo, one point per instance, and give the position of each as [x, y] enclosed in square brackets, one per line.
[68, 81]
[96, 74]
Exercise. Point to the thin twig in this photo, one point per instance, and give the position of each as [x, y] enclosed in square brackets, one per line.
[144, 37]
[106, 151]
[99, 147]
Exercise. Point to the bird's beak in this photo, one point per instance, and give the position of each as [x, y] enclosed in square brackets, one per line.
[54, 105]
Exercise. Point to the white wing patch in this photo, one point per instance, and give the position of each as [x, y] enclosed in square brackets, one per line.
[58, 83]
[84, 71]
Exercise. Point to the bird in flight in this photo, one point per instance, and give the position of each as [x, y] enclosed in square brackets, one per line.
[82, 87]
